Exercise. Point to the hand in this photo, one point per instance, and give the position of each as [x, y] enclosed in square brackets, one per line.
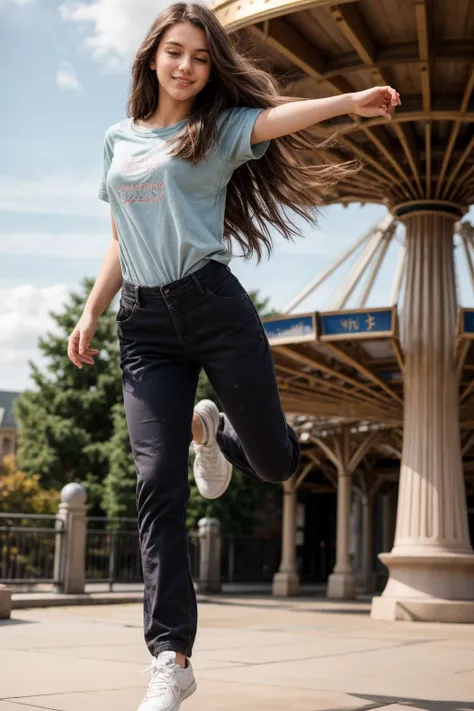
[79, 350]
[379, 101]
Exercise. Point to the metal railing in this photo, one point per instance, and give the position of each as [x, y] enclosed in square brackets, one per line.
[27, 549]
[113, 551]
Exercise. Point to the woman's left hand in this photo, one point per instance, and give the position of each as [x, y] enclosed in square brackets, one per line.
[379, 101]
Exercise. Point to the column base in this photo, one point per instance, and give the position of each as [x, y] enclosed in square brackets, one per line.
[5, 602]
[341, 586]
[428, 587]
[208, 587]
[419, 610]
[286, 584]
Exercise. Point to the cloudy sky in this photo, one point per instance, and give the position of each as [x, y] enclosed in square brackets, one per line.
[64, 81]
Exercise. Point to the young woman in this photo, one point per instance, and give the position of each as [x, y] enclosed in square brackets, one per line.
[182, 178]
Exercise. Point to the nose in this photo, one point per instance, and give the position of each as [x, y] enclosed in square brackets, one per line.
[185, 64]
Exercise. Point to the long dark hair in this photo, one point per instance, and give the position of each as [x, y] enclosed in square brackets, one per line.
[259, 191]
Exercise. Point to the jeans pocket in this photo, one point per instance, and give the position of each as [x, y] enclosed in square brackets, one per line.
[227, 289]
[125, 312]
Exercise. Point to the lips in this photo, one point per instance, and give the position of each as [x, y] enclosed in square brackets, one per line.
[183, 82]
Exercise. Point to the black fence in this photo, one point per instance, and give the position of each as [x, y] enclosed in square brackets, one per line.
[112, 551]
[30, 547]
[27, 549]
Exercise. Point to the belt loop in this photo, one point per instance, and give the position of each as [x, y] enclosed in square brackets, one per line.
[137, 295]
[198, 284]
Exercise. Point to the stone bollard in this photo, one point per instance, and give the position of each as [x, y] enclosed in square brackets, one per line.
[70, 554]
[5, 602]
[209, 556]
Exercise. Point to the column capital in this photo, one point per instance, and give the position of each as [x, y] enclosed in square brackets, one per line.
[406, 210]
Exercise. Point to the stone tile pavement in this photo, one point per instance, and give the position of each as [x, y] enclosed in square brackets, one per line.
[252, 653]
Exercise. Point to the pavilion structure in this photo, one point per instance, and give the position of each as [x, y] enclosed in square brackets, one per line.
[413, 378]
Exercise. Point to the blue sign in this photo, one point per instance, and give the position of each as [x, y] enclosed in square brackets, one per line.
[294, 329]
[347, 323]
[468, 321]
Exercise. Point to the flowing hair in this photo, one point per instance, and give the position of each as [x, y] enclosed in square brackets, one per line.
[259, 191]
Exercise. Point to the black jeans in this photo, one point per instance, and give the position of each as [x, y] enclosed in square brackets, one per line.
[166, 335]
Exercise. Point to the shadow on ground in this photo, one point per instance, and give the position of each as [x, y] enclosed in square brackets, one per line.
[351, 609]
[377, 702]
[7, 623]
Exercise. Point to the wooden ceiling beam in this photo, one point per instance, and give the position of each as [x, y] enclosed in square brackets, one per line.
[466, 153]
[422, 31]
[405, 136]
[398, 56]
[377, 137]
[354, 28]
[277, 33]
[316, 364]
[454, 133]
[352, 146]
[344, 128]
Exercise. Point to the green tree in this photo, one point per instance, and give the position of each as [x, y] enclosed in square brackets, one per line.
[67, 421]
[119, 497]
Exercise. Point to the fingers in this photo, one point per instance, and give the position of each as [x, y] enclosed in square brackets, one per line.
[79, 351]
[390, 99]
[72, 349]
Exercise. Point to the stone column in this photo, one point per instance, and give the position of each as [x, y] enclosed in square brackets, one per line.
[70, 555]
[5, 602]
[286, 582]
[431, 566]
[341, 583]
[368, 575]
[209, 556]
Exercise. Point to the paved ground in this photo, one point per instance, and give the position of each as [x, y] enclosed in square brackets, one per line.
[252, 654]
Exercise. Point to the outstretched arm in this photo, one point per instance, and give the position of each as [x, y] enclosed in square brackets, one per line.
[298, 115]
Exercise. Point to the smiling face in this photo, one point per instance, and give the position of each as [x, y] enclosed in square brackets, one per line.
[182, 62]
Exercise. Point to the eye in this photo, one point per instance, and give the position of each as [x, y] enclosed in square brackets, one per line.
[173, 54]
[201, 61]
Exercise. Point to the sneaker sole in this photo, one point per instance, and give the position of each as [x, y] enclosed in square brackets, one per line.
[189, 691]
[224, 487]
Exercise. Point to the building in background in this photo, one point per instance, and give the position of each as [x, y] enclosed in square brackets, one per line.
[8, 429]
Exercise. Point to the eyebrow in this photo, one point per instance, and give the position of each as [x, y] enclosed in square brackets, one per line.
[177, 44]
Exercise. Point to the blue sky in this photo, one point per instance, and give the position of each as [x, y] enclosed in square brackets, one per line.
[64, 81]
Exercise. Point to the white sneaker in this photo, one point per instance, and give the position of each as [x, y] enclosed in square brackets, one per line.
[170, 684]
[212, 471]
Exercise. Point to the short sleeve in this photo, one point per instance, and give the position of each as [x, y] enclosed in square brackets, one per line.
[108, 155]
[234, 133]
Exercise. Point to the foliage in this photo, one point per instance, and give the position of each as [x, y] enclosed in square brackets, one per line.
[66, 422]
[119, 497]
[20, 493]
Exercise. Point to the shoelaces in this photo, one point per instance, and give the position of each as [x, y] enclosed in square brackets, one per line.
[162, 678]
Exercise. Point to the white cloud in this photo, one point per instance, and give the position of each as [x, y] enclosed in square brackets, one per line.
[66, 78]
[24, 317]
[68, 245]
[112, 29]
[52, 196]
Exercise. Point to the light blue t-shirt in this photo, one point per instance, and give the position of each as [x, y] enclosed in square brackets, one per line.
[169, 213]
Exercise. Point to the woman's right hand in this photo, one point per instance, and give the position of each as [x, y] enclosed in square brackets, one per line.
[79, 350]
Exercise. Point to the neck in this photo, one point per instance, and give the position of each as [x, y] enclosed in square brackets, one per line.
[169, 111]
